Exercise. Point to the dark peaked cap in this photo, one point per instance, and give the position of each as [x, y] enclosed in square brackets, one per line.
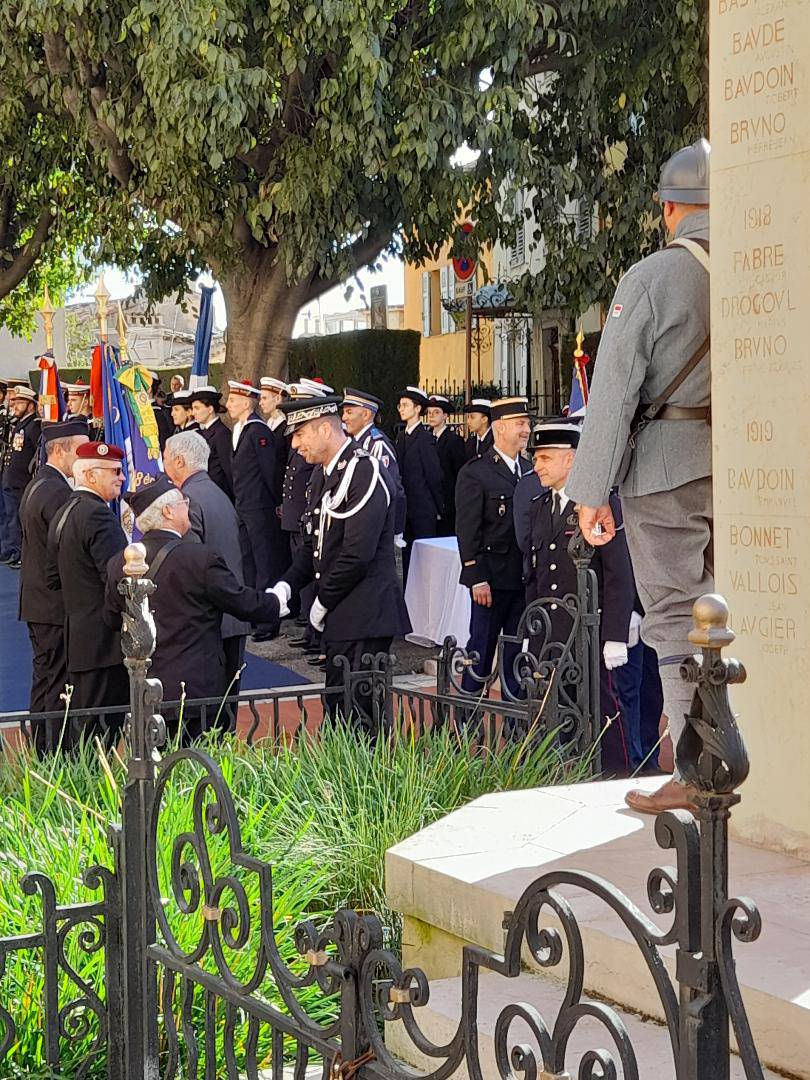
[143, 498]
[62, 429]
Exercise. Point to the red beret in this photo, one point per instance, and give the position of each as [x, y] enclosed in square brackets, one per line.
[99, 451]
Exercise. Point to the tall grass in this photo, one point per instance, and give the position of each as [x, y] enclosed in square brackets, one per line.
[322, 811]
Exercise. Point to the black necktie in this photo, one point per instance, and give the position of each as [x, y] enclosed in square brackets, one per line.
[556, 507]
[517, 470]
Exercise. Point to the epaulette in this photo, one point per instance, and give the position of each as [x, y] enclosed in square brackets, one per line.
[360, 452]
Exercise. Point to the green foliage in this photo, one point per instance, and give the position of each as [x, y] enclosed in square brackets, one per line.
[379, 361]
[626, 87]
[322, 812]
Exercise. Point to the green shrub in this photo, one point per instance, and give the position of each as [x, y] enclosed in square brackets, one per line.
[322, 812]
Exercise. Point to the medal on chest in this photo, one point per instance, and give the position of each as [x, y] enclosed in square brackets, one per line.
[18, 441]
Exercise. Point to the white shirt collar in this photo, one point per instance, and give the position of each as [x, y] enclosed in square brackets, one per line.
[81, 487]
[208, 423]
[439, 431]
[410, 428]
[564, 499]
[511, 462]
[59, 472]
[328, 468]
[364, 432]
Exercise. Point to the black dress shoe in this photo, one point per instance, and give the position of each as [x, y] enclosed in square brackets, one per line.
[300, 642]
[318, 661]
[264, 635]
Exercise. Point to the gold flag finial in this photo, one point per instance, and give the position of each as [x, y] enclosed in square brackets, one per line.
[580, 338]
[122, 335]
[102, 299]
[46, 311]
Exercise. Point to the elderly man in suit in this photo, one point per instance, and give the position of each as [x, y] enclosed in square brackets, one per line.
[82, 538]
[40, 607]
[647, 429]
[194, 589]
[213, 522]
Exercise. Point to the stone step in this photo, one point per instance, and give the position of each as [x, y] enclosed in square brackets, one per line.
[439, 1021]
[455, 881]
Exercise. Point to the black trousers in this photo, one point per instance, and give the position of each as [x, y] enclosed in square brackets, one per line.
[486, 623]
[360, 708]
[308, 593]
[48, 678]
[102, 687]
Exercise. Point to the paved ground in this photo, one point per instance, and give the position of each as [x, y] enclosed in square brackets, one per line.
[409, 658]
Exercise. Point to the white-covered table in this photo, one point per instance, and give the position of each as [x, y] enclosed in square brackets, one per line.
[437, 604]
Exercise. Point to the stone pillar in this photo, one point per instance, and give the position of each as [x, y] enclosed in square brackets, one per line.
[760, 191]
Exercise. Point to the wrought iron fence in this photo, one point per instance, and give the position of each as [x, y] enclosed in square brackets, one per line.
[540, 402]
[229, 1003]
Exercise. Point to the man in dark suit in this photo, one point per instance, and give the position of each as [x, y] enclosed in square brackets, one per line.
[40, 607]
[213, 522]
[349, 546]
[553, 575]
[82, 538]
[194, 590]
[265, 548]
[206, 408]
[452, 456]
[420, 470]
[479, 419]
[19, 466]
[491, 561]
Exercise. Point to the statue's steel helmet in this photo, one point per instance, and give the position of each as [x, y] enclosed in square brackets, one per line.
[685, 177]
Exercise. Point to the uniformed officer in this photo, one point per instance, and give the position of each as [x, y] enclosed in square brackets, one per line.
[194, 589]
[349, 548]
[207, 408]
[452, 455]
[552, 576]
[271, 392]
[18, 467]
[40, 607]
[491, 561]
[420, 470]
[82, 538]
[257, 490]
[479, 419]
[656, 330]
[360, 411]
[179, 404]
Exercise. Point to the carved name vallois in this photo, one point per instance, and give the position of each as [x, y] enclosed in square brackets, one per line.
[766, 582]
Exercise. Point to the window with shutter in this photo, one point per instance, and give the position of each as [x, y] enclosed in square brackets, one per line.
[426, 313]
[447, 280]
[517, 255]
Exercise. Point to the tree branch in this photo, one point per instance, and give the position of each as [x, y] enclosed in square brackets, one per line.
[24, 258]
[362, 252]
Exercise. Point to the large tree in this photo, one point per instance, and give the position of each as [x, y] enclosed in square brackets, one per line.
[621, 85]
[285, 143]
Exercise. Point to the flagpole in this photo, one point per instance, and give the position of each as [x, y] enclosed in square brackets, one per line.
[102, 299]
[122, 336]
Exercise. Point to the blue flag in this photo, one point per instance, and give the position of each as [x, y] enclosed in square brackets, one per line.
[125, 425]
[202, 339]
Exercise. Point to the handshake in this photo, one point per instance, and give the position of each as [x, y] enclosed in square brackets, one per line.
[282, 592]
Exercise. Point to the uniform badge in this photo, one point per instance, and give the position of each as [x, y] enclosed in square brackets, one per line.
[341, 465]
[501, 509]
[102, 450]
[309, 528]
[617, 310]
[262, 442]
[18, 441]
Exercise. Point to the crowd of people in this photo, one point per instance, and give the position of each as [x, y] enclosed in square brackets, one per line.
[298, 506]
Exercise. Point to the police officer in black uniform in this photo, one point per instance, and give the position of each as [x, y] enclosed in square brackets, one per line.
[194, 589]
[265, 548]
[552, 575]
[40, 607]
[82, 538]
[19, 465]
[349, 544]
[452, 456]
[360, 410]
[420, 470]
[207, 408]
[491, 561]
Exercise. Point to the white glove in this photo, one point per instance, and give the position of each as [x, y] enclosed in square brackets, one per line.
[399, 541]
[317, 614]
[282, 592]
[615, 654]
[634, 636]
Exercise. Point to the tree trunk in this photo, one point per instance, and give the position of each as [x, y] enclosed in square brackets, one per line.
[262, 309]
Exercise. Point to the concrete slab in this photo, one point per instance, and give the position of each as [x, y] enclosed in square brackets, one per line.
[439, 1021]
[455, 880]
